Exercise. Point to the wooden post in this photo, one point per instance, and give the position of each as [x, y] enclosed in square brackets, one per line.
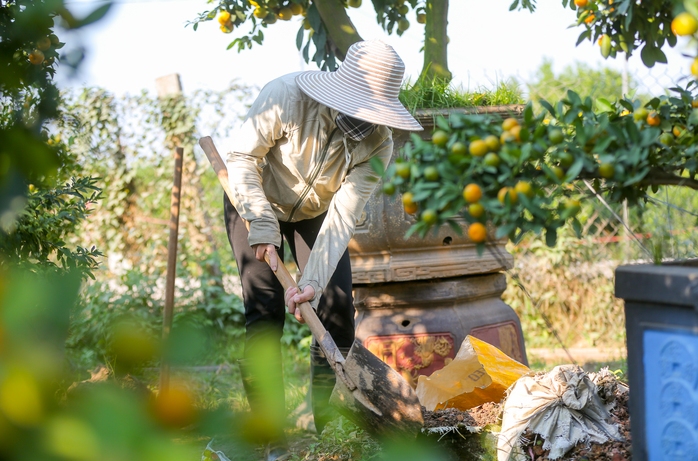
[170, 85]
[171, 264]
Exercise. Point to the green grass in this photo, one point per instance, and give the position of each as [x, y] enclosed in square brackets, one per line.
[440, 95]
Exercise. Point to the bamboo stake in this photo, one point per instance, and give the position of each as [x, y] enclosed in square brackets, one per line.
[171, 265]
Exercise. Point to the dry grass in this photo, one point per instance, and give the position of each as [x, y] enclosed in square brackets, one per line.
[571, 295]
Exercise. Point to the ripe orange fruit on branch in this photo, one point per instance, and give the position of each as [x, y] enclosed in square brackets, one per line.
[653, 119]
[472, 193]
[223, 17]
[507, 137]
[478, 148]
[509, 123]
[505, 192]
[516, 131]
[36, 57]
[407, 198]
[581, 3]
[684, 24]
[477, 232]
[411, 209]
[492, 143]
[525, 188]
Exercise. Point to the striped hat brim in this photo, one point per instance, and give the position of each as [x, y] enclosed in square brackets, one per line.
[355, 101]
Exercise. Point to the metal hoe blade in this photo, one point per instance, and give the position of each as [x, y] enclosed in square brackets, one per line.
[383, 403]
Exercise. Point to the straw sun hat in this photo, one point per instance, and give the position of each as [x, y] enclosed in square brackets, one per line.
[365, 86]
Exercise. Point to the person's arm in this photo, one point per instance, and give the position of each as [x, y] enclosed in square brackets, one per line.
[251, 143]
[339, 225]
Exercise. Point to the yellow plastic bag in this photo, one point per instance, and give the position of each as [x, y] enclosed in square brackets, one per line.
[478, 374]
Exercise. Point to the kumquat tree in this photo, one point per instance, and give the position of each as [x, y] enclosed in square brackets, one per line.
[531, 174]
[526, 174]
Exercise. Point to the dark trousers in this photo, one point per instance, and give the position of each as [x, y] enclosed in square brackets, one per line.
[265, 312]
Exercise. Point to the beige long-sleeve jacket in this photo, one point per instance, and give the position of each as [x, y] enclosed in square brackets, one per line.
[289, 161]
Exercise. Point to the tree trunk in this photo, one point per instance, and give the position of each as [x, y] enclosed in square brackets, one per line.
[341, 31]
[436, 43]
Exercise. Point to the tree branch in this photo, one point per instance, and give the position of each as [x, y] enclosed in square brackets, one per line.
[661, 178]
[341, 31]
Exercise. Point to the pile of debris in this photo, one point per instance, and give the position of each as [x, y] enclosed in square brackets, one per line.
[563, 414]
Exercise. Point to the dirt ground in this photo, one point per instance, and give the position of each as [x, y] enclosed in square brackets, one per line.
[489, 414]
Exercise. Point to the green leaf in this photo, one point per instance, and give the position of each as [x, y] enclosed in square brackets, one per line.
[570, 116]
[548, 107]
[504, 230]
[299, 37]
[97, 14]
[639, 176]
[414, 228]
[574, 98]
[576, 168]
[550, 236]
[528, 114]
[455, 226]
[626, 104]
[377, 165]
[604, 105]
[651, 55]
[693, 118]
[584, 35]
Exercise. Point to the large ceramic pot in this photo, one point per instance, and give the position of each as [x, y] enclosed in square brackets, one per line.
[379, 251]
[661, 321]
[418, 298]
